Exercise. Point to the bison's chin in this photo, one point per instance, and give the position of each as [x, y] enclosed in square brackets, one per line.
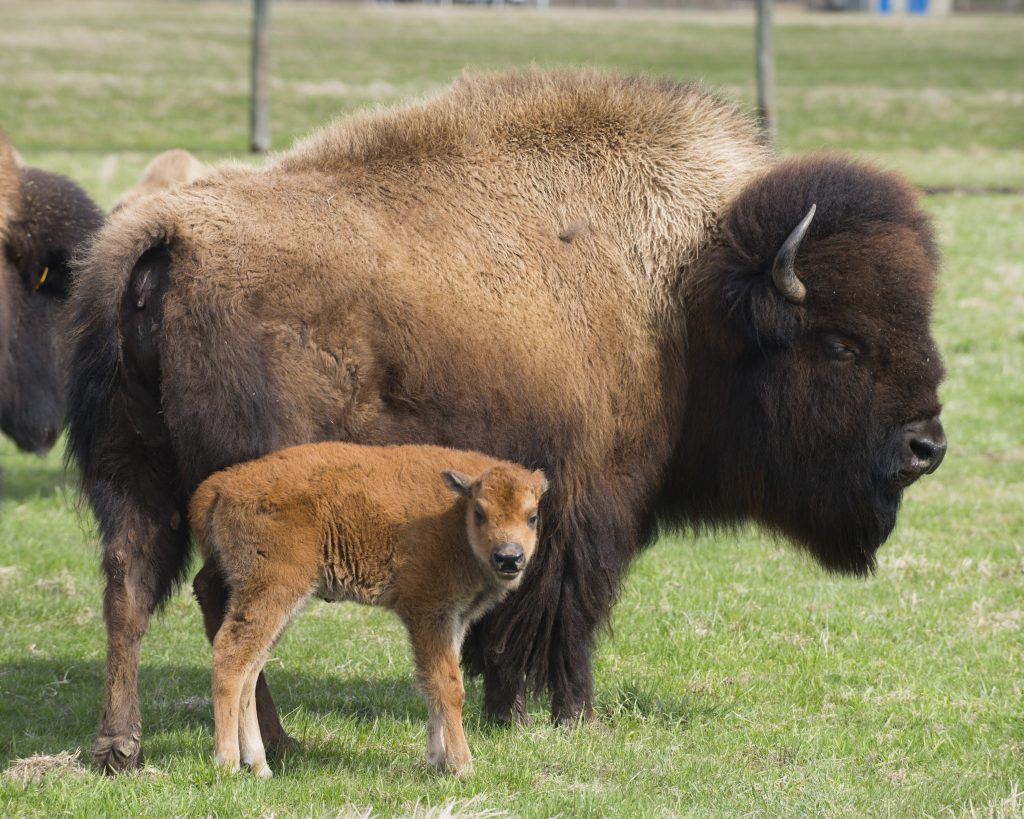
[842, 532]
[35, 439]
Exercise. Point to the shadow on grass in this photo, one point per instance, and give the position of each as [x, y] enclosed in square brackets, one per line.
[53, 704]
[25, 477]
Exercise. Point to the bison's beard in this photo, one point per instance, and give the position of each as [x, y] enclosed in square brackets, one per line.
[841, 515]
[834, 499]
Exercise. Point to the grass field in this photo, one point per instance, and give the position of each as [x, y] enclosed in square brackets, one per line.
[739, 679]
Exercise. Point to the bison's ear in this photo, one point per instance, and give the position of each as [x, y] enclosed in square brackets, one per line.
[459, 484]
[542, 482]
[763, 316]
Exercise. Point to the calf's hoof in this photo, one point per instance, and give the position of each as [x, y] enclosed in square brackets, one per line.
[227, 764]
[460, 768]
[263, 772]
[116, 754]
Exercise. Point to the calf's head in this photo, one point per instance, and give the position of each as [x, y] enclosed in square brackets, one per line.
[814, 375]
[43, 219]
[501, 516]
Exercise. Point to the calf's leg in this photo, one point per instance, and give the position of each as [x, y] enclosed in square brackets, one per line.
[437, 662]
[212, 594]
[240, 648]
[249, 739]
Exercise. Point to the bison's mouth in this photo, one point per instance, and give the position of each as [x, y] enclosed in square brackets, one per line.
[904, 478]
[914, 469]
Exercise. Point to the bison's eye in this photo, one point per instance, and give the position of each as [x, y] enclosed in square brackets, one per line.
[839, 348]
[532, 521]
[478, 515]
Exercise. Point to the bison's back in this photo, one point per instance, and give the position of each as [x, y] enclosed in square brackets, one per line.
[648, 163]
[497, 268]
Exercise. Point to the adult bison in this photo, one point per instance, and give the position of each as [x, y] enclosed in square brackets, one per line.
[608, 278]
[43, 218]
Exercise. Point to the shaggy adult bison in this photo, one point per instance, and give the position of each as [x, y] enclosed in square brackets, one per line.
[607, 278]
[43, 218]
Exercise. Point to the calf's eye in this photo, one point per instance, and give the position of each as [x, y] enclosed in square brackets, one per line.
[479, 516]
[532, 521]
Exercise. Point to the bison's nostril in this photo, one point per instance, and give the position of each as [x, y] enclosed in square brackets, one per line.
[925, 447]
[928, 451]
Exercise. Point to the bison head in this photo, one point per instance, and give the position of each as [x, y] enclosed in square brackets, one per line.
[43, 218]
[813, 395]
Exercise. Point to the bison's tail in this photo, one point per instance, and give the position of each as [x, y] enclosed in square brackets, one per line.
[115, 278]
[116, 433]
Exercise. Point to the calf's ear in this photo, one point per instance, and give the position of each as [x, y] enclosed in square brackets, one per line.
[459, 484]
[542, 481]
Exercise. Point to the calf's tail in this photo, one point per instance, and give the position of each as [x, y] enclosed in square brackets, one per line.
[201, 511]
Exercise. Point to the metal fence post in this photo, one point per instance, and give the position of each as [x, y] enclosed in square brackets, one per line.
[766, 71]
[259, 109]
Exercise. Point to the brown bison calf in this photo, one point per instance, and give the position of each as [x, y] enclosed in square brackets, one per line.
[376, 525]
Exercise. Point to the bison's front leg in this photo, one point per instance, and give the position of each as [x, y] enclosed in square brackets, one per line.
[141, 563]
[212, 594]
[504, 694]
[571, 684]
[544, 632]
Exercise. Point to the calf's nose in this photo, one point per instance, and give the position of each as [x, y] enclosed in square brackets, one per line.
[924, 447]
[508, 558]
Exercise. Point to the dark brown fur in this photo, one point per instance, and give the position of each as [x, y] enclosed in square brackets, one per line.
[44, 218]
[375, 525]
[406, 276]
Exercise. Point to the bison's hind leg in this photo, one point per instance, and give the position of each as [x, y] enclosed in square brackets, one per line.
[142, 562]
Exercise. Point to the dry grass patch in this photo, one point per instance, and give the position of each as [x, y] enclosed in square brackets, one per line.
[35, 768]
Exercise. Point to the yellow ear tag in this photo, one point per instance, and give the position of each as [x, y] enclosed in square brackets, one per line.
[42, 278]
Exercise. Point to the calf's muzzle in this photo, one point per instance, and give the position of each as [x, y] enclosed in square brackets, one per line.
[508, 559]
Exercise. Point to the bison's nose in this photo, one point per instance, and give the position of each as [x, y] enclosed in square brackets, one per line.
[508, 559]
[924, 447]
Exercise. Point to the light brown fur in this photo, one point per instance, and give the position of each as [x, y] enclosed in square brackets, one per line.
[164, 171]
[331, 261]
[375, 525]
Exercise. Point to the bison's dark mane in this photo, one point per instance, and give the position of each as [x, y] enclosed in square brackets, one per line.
[743, 451]
[54, 217]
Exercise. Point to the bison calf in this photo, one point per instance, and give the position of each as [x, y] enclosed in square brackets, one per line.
[376, 525]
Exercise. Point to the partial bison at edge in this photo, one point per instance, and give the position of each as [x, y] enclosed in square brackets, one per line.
[607, 278]
[43, 219]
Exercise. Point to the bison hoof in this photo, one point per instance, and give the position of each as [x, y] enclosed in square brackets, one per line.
[571, 713]
[460, 769]
[282, 744]
[114, 755]
[263, 772]
[513, 713]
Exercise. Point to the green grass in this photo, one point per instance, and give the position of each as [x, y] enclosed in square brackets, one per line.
[739, 678]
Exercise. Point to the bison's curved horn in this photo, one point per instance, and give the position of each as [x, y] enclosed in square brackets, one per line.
[783, 272]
